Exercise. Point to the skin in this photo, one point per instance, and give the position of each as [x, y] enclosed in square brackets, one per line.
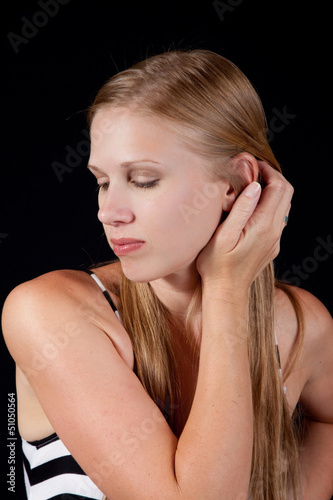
[202, 457]
[154, 214]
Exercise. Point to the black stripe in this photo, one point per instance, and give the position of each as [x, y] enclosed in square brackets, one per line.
[69, 496]
[108, 298]
[43, 442]
[55, 467]
[26, 464]
[278, 354]
[105, 293]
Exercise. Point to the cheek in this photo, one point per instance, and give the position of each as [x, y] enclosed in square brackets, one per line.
[187, 220]
[202, 211]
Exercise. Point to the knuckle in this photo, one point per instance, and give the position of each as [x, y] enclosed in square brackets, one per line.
[284, 186]
[264, 228]
[280, 184]
[290, 189]
[244, 211]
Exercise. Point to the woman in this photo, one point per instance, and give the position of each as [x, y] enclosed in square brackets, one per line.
[176, 392]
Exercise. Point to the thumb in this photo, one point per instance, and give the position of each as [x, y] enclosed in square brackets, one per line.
[252, 191]
[241, 212]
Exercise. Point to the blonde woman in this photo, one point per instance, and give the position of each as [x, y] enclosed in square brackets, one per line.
[158, 376]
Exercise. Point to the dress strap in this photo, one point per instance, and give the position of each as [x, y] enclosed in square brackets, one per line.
[279, 359]
[277, 351]
[104, 290]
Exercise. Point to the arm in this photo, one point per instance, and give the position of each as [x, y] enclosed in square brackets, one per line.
[101, 412]
[317, 461]
[222, 404]
[107, 420]
[317, 400]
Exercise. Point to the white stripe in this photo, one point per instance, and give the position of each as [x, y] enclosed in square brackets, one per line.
[65, 483]
[98, 281]
[26, 481]
[44, 454]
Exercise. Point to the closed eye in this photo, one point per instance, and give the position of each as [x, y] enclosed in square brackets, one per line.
[102, 187]
[145, 185]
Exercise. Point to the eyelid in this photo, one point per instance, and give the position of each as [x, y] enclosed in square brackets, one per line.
[143, 178]
[144, 171]
[145, 185]
[102, 186]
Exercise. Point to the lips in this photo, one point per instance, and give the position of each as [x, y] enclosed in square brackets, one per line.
[124, 241]
[124, 246]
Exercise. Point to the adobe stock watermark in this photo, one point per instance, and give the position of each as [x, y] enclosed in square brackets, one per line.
[301, 272]
[75, 156]
[128, 442]
[201, 199]
[278, 122]
[223, 8]
[30, 27]
[3, 236]
[60, 340]
[51, 350]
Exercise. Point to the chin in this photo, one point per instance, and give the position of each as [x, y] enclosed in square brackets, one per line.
[139, 273]
[148, 270]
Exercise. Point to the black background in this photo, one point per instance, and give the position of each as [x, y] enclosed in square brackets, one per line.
[49, 222]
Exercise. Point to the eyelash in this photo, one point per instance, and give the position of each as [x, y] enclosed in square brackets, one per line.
[142, 185]
[145, 185]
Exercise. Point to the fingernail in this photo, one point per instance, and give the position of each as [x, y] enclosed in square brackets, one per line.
[252, 190]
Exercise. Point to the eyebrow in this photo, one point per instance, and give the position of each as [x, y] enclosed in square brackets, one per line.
[125, 164]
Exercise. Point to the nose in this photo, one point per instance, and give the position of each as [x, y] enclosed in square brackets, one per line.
[113, 209]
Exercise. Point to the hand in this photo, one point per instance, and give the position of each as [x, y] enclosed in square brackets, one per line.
[249, 238]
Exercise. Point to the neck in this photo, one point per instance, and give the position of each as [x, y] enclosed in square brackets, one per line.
[176, 290]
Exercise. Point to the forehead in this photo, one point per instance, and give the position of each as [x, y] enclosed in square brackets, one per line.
[109, 120]
[126, 133]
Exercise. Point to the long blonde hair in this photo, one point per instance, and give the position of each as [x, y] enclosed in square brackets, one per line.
[221, 116]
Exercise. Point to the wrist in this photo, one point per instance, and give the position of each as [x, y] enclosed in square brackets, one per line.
[224, 292]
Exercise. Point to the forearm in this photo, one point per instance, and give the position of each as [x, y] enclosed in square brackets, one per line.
[317, 461]
[215, 447]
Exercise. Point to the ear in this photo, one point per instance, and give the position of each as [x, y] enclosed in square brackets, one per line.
[243, 166]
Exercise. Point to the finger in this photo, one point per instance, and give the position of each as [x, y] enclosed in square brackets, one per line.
[276, 197]
[240, 213]
[266, 169]
[286, 217]
[273, 178]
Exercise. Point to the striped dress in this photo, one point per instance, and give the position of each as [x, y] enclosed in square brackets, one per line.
[51, 472]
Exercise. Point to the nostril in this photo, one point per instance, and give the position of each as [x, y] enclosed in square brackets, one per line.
[114, 216]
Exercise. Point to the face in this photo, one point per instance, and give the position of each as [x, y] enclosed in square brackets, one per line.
[156, 203]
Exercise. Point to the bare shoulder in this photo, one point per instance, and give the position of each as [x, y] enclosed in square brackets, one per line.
[317, 319]
[31, 297]
[55, 306]
[314, 370]
[317, 393]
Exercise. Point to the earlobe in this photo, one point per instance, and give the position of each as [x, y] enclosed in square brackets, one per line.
[229, 198]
